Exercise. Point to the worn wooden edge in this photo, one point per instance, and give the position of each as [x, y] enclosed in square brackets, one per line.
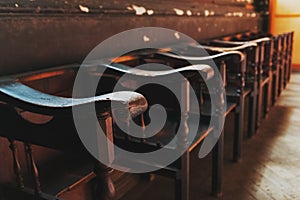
[203, 58]
[27, 98]
[125, 6]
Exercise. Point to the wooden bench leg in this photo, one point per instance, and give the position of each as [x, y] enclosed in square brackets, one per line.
[34, 172]
[182, 181]
[238, 130]
[259, 105]
[276, 84]
[281, 79]
[269, 95]
[217, 167]
[104, 188]
[252, 112]
[16, 164]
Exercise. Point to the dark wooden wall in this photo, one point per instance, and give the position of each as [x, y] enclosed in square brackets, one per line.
[35, 35]
[38, 34]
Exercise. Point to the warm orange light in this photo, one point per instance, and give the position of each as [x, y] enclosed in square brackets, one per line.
[43, 75]
[287, 7]
[249, 6]
[165, 50]
[285, 17]
[123, 59]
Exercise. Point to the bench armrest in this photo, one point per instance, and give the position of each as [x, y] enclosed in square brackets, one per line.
[227, 49]
[203, 58]
[204, 70]
[18, 94]
[264, 39]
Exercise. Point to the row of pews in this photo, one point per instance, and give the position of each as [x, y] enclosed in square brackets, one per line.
[202, 84]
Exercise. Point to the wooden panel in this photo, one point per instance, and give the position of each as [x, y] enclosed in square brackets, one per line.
[29, 43]
[38, 34]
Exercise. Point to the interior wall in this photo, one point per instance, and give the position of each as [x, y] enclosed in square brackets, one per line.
[285, 17]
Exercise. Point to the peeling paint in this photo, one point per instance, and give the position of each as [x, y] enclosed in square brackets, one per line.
[16, 5]
[101, 6]
[245, 1]
[178, 11]
[150, 12]
[237, 14]
[206, 13]
[176, 34]
[199, 29]
[228, 14]
[146, 39]
[198, 14]
[189, 13]
[139, 10]
[129, 8]
[84, 9]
